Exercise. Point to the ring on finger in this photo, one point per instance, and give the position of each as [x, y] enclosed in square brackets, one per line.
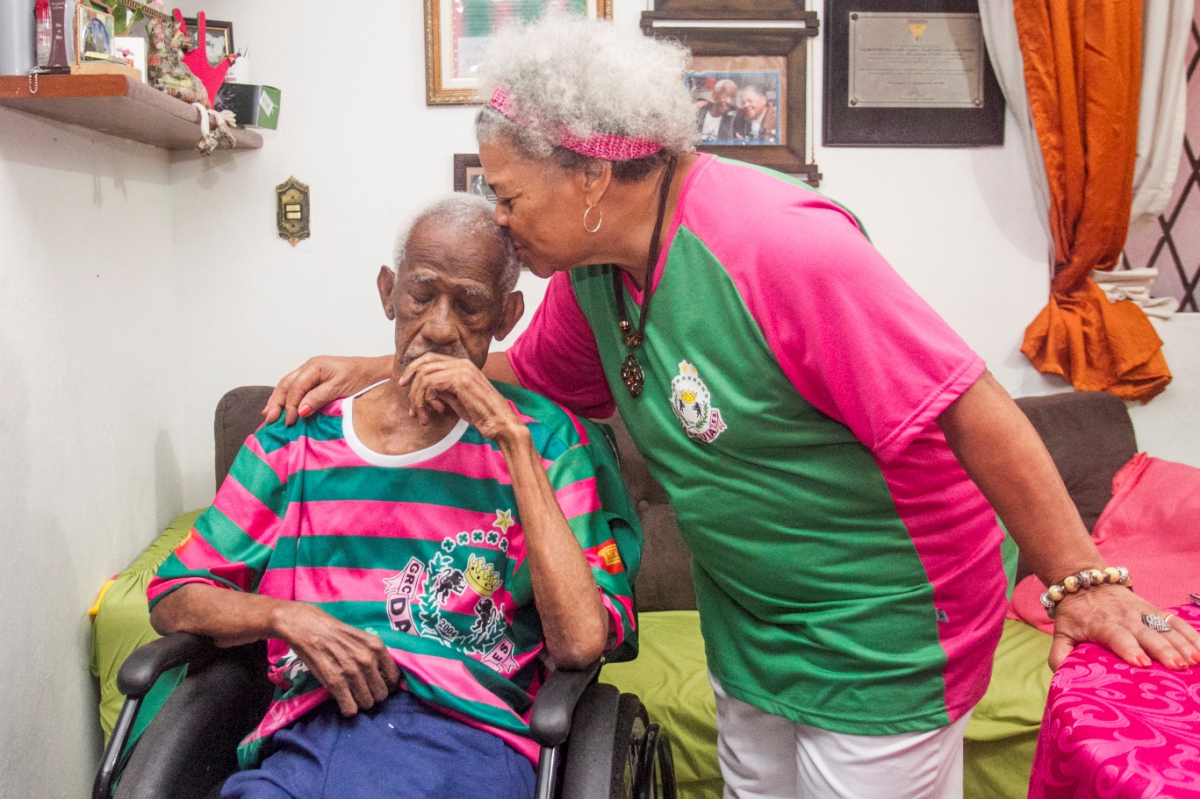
[1156, 623]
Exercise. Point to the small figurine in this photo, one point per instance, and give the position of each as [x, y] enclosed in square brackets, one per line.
[197, 58]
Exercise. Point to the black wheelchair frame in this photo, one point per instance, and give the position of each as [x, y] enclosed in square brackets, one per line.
[596, 743]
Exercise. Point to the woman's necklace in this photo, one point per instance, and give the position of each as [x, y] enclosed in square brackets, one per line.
[631, 368]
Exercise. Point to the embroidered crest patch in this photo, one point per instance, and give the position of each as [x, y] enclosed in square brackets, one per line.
[692, 404]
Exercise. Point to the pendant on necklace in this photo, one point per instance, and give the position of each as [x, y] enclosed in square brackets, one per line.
[632, 375]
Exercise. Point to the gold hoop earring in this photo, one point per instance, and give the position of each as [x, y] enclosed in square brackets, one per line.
[598, 223]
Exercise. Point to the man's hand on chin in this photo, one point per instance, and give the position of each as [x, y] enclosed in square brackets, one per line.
[439, 381]
[353, 664]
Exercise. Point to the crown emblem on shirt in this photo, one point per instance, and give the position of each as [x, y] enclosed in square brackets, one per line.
[482, 576]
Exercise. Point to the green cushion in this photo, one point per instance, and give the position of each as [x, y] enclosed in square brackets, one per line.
[122, 621]
[1003, 730]
[670, 676]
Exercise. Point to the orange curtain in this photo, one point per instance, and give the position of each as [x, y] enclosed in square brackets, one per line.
[1083, 63]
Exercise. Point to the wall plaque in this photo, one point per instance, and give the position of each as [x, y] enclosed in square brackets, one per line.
[915, 60]
[909, 73]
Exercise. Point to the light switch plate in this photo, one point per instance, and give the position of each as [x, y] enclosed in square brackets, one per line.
[292, 210]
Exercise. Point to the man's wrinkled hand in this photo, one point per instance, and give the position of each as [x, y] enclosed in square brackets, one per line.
[439, 381]
[1112, 615]
[353, 664]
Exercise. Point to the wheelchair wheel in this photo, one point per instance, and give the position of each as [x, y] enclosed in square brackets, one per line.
[655, 766]
[606, 744]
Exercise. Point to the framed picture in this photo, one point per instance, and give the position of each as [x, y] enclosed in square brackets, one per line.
[457, 30]
[909, 73]
[218, 38]
[740, 101]
[468, 177]
[748, 83]
[94, 32]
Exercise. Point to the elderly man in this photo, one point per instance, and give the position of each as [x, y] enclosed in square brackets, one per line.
[755, 122]
[415, 553]
[715, 119]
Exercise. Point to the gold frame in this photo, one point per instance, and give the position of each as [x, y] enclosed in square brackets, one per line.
[436, 93]
[87, 11]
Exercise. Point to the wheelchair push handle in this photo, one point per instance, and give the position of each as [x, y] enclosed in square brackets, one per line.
[146, 664]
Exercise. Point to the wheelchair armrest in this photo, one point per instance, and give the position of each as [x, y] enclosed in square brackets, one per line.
[550, 719]
[146, 664]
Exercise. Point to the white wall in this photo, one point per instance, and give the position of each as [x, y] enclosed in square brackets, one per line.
[135, 290]
[90, 415]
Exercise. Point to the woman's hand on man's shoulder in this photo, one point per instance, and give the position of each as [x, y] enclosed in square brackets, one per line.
[321, 380]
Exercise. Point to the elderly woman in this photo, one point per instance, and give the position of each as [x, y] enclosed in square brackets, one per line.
[837, 456]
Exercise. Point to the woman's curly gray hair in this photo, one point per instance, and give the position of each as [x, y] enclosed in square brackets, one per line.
[590, 77]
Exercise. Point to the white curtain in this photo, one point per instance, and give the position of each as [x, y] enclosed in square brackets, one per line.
[1166, 27]
[1004, 51]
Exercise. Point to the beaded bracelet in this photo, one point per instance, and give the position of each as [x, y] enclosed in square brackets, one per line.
[1088, 578]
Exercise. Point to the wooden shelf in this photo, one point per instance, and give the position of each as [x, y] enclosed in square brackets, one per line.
[116, 105]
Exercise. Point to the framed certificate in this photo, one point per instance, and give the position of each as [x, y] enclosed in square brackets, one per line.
[909, 73]
[456, 32]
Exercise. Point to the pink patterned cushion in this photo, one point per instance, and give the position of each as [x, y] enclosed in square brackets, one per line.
[1114, 731]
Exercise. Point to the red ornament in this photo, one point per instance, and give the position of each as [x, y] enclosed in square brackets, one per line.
[197, 59]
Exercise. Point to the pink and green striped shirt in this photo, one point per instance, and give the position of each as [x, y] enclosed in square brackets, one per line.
[425, 549]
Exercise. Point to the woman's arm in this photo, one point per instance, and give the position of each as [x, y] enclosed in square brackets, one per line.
[323, 379]
[320, 381]
[1002, 453]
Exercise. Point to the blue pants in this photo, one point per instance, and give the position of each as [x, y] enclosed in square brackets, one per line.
[402, 748]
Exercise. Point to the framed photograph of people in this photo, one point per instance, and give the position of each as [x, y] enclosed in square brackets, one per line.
[468, 177]
[909, 73]
[457, 30]
[740, 101]
[748, 83]
[218, 38]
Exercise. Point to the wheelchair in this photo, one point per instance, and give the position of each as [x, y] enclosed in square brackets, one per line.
[596, 743]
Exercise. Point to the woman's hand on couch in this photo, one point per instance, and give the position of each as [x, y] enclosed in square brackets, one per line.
[1112, 615]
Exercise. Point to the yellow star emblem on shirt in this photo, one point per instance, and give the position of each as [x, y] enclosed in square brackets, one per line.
[504, 520]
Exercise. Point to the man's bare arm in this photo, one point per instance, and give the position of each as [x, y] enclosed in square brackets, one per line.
[354, 665]
[574, 620]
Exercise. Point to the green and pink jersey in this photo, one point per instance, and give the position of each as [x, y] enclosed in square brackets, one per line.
[848, 572]
[425, 550]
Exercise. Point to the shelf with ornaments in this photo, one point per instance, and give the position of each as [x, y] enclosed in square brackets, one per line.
[111, 98]
[117, 105]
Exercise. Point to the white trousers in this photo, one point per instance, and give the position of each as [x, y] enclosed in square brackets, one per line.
[764, 756]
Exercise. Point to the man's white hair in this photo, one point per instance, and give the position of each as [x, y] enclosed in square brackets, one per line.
[468, 215]
[591, 77]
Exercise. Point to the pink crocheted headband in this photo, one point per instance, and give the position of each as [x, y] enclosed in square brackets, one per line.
[606, 146]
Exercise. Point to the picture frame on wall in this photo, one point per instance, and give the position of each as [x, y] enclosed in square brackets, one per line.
[468, 177]
[749, 83]
[218, 38]
[456, 32]
[909, 73]
[740, 101]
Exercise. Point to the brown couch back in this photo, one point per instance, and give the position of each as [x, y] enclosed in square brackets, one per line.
[1089, 435]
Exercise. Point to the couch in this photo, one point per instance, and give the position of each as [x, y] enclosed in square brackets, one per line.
[1089, 435]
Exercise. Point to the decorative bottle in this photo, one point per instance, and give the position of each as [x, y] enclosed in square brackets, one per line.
[44, 32]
